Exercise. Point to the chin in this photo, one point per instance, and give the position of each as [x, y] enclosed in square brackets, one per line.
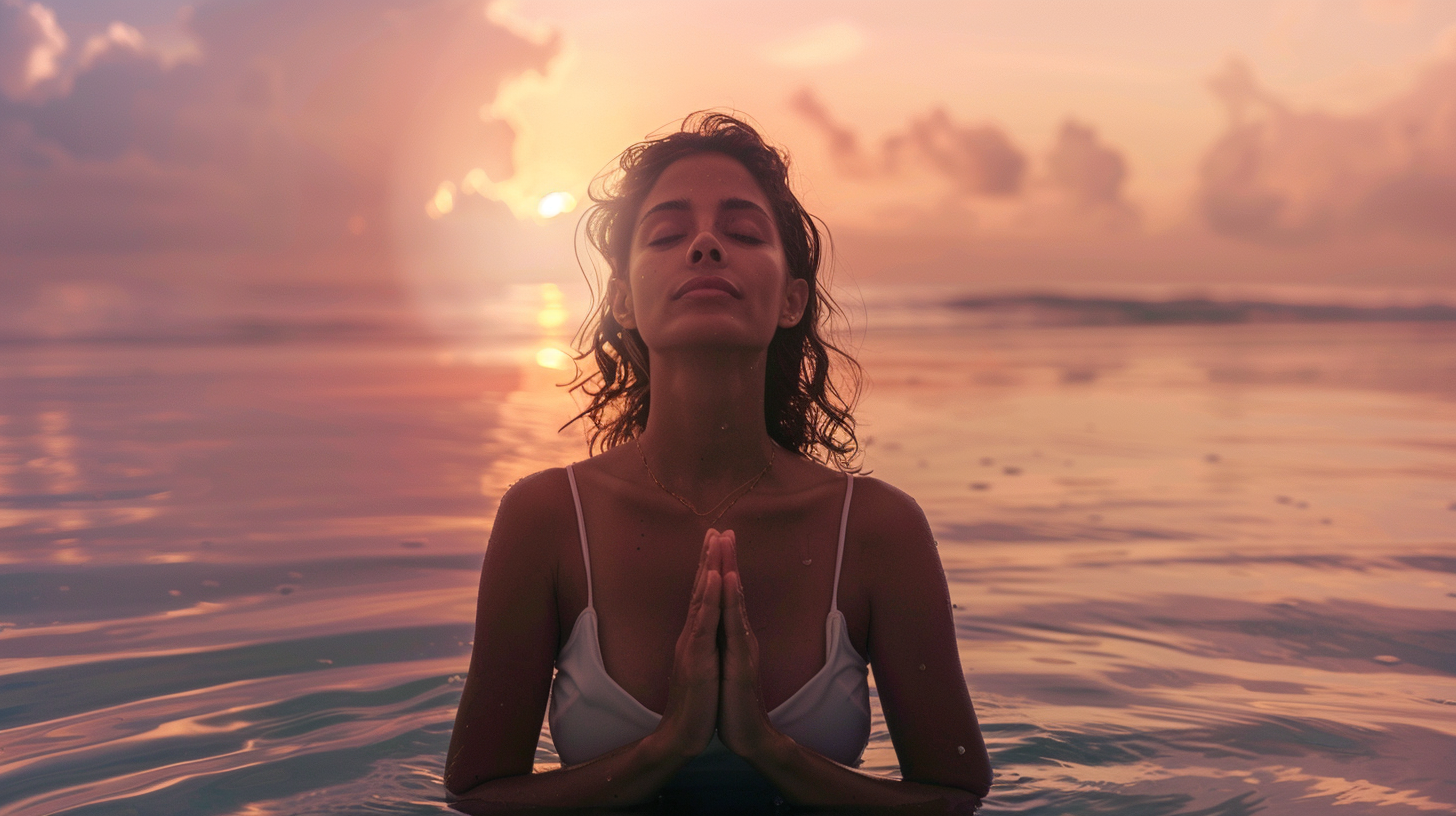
[711, 337]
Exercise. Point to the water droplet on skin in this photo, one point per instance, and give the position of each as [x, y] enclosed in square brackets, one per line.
[960, 749]
[808, 561]
[922, 667]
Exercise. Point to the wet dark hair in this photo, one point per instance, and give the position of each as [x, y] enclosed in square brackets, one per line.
[805, 409]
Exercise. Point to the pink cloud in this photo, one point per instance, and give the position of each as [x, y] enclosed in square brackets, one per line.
[31, 45]
[979, 160]
[1079, 187]
[1281, 175]
[1089, 171]
[842, 141]
[277, 152]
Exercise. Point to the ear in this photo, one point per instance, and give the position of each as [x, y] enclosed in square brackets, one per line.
[619, 295]
[796, 298]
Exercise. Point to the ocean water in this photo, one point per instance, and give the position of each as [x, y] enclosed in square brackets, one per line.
[1198, 569]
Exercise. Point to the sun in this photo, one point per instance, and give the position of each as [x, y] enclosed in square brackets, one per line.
[554, 204]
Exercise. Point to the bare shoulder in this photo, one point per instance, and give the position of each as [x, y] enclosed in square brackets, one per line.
[531, 510]
[540, 492]
[890, 538]
[887, 518]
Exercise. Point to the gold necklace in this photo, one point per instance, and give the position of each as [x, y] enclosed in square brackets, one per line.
[750, 484]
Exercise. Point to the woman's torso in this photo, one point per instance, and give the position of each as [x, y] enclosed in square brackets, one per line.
[616, 654]
[644, 550]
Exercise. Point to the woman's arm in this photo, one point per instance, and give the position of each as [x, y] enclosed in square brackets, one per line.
[630, 775]
[943, 758]
[490, 760]
[912, 647]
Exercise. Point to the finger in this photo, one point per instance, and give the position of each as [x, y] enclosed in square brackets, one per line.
[710, 612]
[737, 649]
[715, 550]
[728, 547]
[703, 554]
[700, 582]
[734, 619]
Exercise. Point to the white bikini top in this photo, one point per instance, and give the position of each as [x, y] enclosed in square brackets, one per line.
[591, 714]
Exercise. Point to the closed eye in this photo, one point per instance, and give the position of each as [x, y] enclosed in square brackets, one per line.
[665, 240]
[751, 240]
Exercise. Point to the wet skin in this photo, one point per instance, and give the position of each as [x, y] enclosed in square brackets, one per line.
[706, 287]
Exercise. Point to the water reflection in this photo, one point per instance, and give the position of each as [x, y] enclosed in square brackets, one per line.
[241, 579]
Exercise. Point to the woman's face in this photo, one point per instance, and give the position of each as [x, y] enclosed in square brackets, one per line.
[706, 265]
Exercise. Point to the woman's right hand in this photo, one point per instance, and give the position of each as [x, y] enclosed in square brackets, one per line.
[692, 690]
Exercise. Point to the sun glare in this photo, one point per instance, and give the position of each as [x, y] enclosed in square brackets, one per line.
[474, 182]
[553, 308]
[553, 358]
[554, 204]
[443, 201]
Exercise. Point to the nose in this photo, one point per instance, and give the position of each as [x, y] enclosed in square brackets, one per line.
[705, 246]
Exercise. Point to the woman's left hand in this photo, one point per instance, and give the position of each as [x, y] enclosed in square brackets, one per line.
[743, 723]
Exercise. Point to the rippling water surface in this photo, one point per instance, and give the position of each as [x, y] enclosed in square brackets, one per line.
[1197, 570]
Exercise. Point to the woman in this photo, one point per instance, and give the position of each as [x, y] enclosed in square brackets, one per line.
[695, 665]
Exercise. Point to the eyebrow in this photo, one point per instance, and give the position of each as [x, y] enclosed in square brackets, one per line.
[681, 205]
[740, 204]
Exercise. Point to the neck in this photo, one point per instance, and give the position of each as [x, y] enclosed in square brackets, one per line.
[705, 432]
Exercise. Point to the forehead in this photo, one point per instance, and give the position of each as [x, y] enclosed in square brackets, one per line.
[703, 180]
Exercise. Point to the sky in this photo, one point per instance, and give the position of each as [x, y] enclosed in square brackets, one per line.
[181, 167]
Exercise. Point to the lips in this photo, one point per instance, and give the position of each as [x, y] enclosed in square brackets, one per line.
[709, 282]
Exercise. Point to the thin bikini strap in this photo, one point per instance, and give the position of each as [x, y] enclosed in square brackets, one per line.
[586, 555]
[843, 525]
